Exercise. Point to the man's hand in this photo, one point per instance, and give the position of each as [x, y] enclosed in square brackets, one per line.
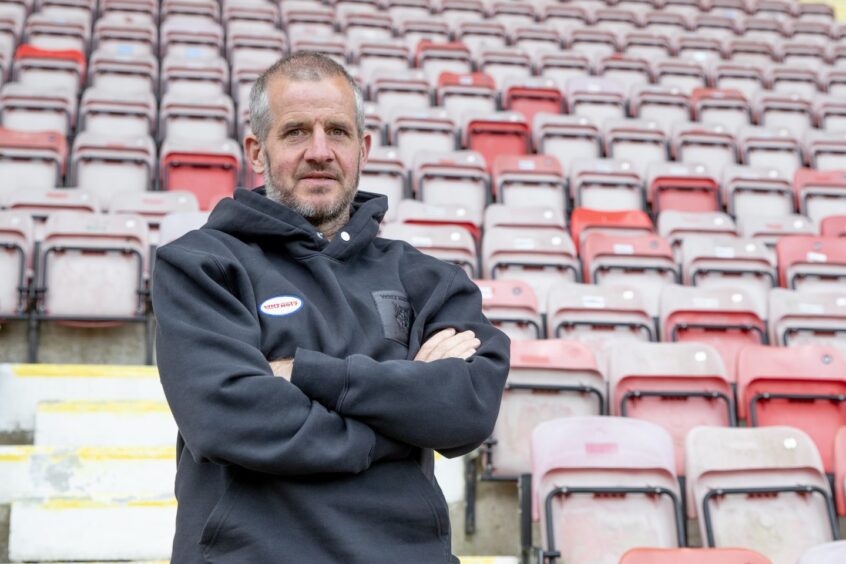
[283, 367]
[448, 344]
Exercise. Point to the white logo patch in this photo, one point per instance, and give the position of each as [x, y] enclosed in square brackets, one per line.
[281, 305]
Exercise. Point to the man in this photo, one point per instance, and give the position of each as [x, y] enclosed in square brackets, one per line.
[311, 366]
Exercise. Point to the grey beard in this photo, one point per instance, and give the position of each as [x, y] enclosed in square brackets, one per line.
[310, 212]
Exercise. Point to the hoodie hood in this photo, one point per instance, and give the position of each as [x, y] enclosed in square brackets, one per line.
[252, 217]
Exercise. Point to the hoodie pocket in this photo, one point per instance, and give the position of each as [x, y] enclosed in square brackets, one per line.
[218, 515]
[434, 499]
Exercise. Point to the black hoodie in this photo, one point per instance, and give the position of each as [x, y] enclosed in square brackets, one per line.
[335, 466]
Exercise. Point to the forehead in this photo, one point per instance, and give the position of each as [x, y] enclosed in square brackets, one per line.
[330, 97]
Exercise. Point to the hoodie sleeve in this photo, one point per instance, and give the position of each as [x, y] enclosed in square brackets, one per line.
[449, 405]
[229, 407]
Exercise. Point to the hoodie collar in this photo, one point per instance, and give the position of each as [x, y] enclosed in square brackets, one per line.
[252, 217]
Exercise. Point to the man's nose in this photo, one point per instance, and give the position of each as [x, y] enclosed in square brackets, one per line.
[318, 149]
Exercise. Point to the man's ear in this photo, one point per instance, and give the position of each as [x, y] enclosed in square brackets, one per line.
[254, 154]
[366, 142]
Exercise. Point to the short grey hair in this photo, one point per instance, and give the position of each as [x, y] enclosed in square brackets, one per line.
[302, 65]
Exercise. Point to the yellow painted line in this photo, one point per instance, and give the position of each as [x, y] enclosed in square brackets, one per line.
[21, 453]
[482, 559]
[127, 453]
[66, 504]
[103, 407]
[439, 456]
[83, 371]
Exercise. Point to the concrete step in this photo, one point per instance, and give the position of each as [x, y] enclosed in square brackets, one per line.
[29, 472]
[91, 529]
[104, 423]
[23, 386]
[489, 560]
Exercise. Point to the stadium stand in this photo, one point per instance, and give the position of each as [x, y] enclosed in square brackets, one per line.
[621, 178]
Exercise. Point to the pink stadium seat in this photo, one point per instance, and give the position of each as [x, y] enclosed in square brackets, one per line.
[457, 178]
[806, 53]
[675, 385]
[118, 28]
[806, 262]
[567, 138]
[16, 246]
[661, 104]
[708, 143]
[207, 168]
[531, 96]
[840, 470]
[798, 317]
[252, 41]
[40, 204]
[250, 11]
[333, 45]
[419, 213]
[511, 306]
[104, 164]
[777, 149]
[598, 315]
[682, 187]
[403, 9]
[643, 261]
[693, 556]
[539, 256]
[728, 107]
[103, 110]
[624, 223]
[827, 553]
[759, 488]
[603, 485]
[407, 90]
[455, 11]
[32, 107]
[715, 24]
[449, 243]
[637, 141]
[548, 379]
[50, 68]
[496, 134]
[616, 19]
[32, 160]
[664, 20]
[833, 80]
[801, 386]
[430, 27]
[684, 74]
[421, 130]
[385, 174]
[606, 185]
[762, 28]
[596, 98]
[435, 58]
[460, 93]
[749, 192]
[833, 226]
[529, 180]
[820, 194]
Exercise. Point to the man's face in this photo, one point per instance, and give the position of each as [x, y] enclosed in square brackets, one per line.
[312, 156]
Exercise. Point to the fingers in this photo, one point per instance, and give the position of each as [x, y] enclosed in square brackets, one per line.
[469, 342]
[426, 350]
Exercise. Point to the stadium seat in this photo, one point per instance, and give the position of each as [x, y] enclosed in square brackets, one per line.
[820, 194]
[458, 178]
[533, 38]
[430, 27]
[840, 470]
[603, 485]
[539, 256]
[456, 11]
[529, 180]
[51, 68]
[676, 226]
[565, 17]
[153, 206]
[675, 385]
[501, 215]
[393, 90]
[32, 160]
[606, 185]
[567, 138]
[664, 105]
[190, 35]
[123, 67]
[728, 108]
[763, 192]
[196, 117]
[826, 553]
[637, 141]
[359, 25]
[460, 93]
[833, 226]
[624, 223]
[802, 386]
[561, 66]
[747, 78]
[105, 164]
[788, 79]
[686, 75]
[421, 130]
[807, 262]
[596, 98]
[769, 230]
[693, 556]
[548, 379]
[644, 261]
[481, 34]
[208, 168]
[706, 142]
[531, 96]
[333, 45]
[495, 134]
[131, 112]
[384, 173]
[798, 317]
[29, 107]
[699, 48]
[598, 315]
[512, 14]
[449, 243]
[435, 58]
[683, 187]
[826, 150]
[16, 247]
[646, 44]
[830, 113]
[617, 19]
[628, 70]
[201, 78]
[590, 41]
[768, 148]
[40, 204]
[420, 213]
[759, 488]
[785, 111]
[758, 51]
[834, 79]
[511, 306]
[502, 63]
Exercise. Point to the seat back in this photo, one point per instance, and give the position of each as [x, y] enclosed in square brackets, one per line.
[16, 240]
[811, 262]
[511, 305]
[693, 556]
[828, 553]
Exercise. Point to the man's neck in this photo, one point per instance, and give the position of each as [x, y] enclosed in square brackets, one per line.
[329, 228]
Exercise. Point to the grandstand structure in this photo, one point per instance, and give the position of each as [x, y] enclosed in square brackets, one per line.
[650, 194]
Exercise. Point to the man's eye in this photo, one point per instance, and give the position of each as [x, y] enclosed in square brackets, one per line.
[337, 131]
[293, 133]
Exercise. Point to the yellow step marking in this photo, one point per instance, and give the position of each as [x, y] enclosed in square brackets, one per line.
[21, 453]
[67, 504]
[127, 453]
[83, 371]
[103, 407]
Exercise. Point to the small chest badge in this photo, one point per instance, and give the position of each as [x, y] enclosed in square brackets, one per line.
[281, 305]
[395, 313]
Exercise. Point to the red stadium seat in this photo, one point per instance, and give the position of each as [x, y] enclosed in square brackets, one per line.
[529, 180]
[811, 262]
[683, 187]
[624, 223]
[207, 168]
[594, 478]
[833, 226]
[511, 306]
[840, 470]
[531, 96]
[693, 556]
[496, 134]
[32, 160]
[801, 386]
